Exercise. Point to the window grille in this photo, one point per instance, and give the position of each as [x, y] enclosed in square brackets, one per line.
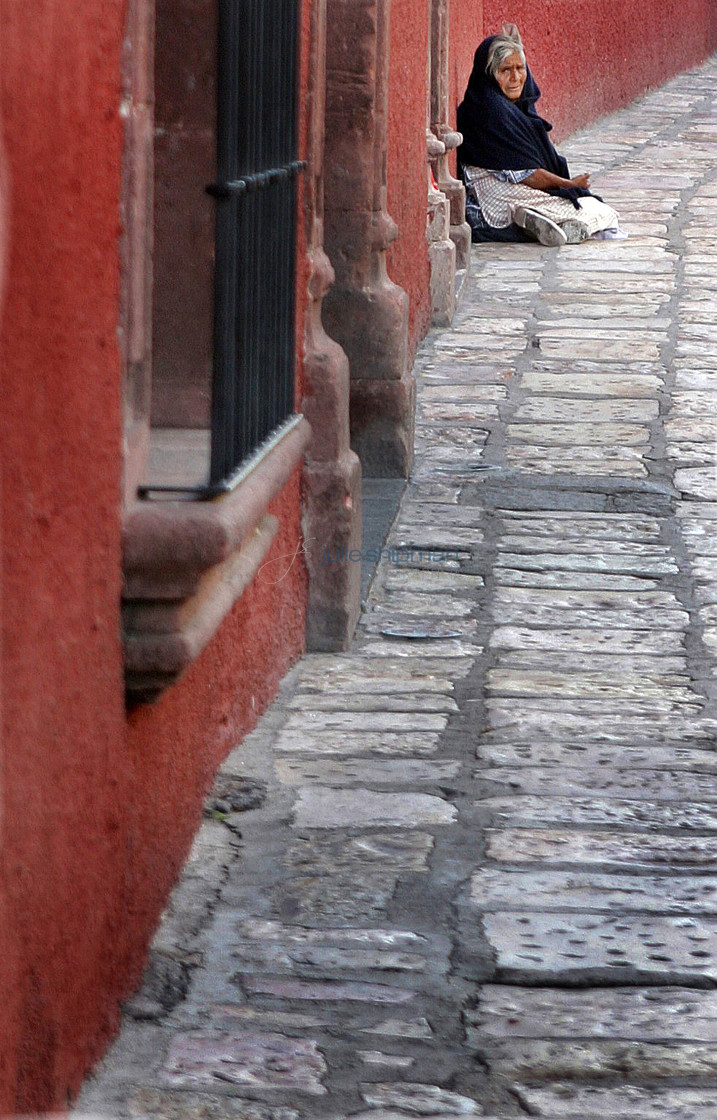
[253, 387]
[255, 193]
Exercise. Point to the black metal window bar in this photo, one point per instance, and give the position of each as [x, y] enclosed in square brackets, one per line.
[253, 391]
[255, 192]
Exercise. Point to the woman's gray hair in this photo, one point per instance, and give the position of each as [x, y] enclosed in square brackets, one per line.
[505, 44]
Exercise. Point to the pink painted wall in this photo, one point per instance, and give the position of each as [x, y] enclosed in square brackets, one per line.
[466, 32]
[466, 24]
[593, 56]
[407, 258]
[98, 810]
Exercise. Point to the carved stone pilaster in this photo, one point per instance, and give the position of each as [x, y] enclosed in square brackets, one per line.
[440, 111]
[365, 311]
[331, 520]
[332, 480]
[441, 250]
[455, 192]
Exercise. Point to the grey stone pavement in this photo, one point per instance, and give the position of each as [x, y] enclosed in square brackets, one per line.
[480, 878]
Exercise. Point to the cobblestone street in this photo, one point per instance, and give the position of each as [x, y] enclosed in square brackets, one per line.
[480, 878]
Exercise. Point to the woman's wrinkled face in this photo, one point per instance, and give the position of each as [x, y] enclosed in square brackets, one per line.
[511, 75]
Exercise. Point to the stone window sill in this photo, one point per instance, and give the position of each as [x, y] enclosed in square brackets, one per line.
[187, 563]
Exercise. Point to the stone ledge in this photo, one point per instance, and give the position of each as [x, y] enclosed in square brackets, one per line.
[186, 564]
[168, 545]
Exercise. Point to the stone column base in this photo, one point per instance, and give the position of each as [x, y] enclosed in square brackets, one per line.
[332, 530]
[442, 258]
[382, 425]
[461, 238]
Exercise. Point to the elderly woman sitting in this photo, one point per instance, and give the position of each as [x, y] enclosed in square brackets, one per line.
[518, 187]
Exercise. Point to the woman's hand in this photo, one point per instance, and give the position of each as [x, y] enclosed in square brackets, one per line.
[542, 180]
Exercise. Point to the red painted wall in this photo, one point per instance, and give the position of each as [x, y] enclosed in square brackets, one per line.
[98, 810]
[593, 56]
[407, 183]
[66, 774]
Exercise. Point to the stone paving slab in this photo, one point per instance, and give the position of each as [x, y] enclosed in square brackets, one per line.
[412, 513]
[611, 727]
[578, 560]
[704, 568]
[168, 1104]
[325, 992]
[569, 412]
[602, 350]
[644, 1014]
[309, 720]
[689, 453]
[433, 582]
[545, 712]
[578, 433]
[593, 756]
[593, 462]
[323, 807]
[280, 949]
[406, 1110]
[589, 330]
[578, 599]
[434, 645]
[248, 1060]
[559, 847]
[564, 1101]
[575, 524]
[513, 577]
[481, 413]
[629, 811]
[413, 603]
[599, 1061]
[343, 772]
[451, 393]
[532, 682]
[420, 1100]
[541, 614]
[576, 539]
[398, 700]
[655, 667]
[568, 948]
[684, 786]
[411, 542]
[320, 672]
[587, 891]
[396, 622]
[412, 745]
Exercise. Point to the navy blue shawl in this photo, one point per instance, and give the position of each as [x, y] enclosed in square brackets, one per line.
[504, 135]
